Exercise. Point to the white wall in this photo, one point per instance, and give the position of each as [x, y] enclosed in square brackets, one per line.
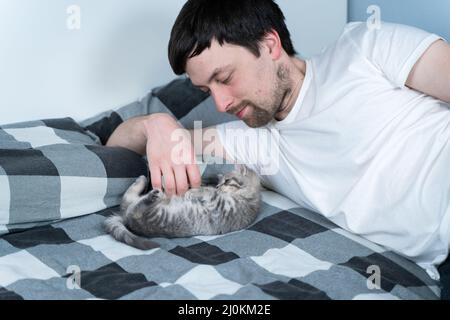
[116, 57]
[314, 24]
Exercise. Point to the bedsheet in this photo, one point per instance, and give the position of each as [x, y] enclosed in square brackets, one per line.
[289, 253]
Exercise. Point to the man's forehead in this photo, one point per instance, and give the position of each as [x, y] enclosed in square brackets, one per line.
[212, 69]
[215, 57]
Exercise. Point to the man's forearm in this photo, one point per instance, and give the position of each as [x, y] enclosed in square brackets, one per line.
[130, 135]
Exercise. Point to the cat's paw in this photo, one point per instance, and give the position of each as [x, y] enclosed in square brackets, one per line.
[153, 195]
[141, 179]
[156, 193]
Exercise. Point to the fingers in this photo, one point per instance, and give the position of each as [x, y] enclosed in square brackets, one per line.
[181, 180]
[195, 178]
[170, 186]
[177, 180]
[155, 173]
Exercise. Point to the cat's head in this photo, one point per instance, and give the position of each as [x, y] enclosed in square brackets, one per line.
[242, 180]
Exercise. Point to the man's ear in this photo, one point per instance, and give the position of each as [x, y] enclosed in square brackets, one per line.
[272, 42]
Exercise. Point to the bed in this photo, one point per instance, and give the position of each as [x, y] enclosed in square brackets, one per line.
[58, 183]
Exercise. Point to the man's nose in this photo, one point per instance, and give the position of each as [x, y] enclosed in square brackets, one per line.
[223, 100]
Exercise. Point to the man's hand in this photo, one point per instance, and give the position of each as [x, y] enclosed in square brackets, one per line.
[171, 155]
[163, 140]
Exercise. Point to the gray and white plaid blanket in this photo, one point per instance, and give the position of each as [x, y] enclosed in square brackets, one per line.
[58, 183]
[288, 253]
[53, 169]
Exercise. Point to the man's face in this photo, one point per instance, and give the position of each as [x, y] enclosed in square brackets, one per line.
[251, 88]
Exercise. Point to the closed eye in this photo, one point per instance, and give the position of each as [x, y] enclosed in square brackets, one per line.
[234, 185]
[226, 81]
[233, 182]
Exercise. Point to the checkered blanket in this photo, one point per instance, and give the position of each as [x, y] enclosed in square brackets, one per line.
[53, 169]
[288, 253]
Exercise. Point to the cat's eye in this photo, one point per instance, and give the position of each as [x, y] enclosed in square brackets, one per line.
[233, 182]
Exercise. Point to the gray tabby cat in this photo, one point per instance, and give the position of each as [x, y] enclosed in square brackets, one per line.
[230, 206]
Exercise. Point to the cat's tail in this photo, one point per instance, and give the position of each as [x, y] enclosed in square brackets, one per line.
[115, 226]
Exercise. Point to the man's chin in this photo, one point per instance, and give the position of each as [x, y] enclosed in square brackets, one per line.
[255, 119]
[252, 125]
[255, 125]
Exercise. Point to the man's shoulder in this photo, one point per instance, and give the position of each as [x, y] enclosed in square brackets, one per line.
[361, 36]
[348, 41]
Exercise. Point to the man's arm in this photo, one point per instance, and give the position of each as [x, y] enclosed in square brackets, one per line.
[431, 74]
[130, 135]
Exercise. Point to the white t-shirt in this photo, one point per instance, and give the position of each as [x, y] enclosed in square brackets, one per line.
[361, 148]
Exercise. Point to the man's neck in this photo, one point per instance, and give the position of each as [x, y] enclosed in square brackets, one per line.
[298, 72]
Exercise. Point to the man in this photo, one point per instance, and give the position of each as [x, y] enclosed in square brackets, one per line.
[363, 129]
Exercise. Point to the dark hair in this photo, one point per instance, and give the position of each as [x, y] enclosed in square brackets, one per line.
[238, 22]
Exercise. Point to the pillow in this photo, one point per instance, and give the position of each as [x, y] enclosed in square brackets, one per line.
[54, 169]
[57, 169]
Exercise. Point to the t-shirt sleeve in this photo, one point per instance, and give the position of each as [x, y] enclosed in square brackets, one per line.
[393, 48]
[256, 148]
[234, 137]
